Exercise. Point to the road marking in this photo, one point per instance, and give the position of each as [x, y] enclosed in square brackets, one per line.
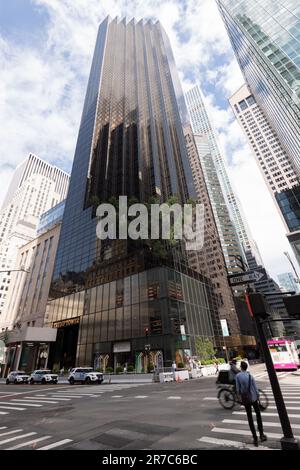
[10, 432]
[3, 427]
[141, 396]
[12, 408]
[60, 399]
[227, 443]
[25, 402]
[266, 414]
[174, 398]
[210, 398]
[72, 396]
[17, 437]
[246, 433]
[33, 391]
[270, 424]
[55, 444]
[287, 407]
[3, 413]
[36, 400]
[28, 443]
[117, 396]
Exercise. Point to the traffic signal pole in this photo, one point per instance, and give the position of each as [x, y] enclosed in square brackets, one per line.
[258, 310]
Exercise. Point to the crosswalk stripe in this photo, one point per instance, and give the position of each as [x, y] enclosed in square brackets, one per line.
[39, 400]
[72, 396]
[267, 414]
[3, 412]
[60, 399]
[173, 398]
[228, 443]
[25, 403]
[211, 398]
[12, 408]
[270, 424]
[141, 396]
[10, 432]
[246, 433]
[55, 444]
[287, 407]
[17, 437]
[117, 396]
[3, 427]
[28, 443]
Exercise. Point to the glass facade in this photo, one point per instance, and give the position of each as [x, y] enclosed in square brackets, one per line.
[147, 307]
[265, 35]
[289, 204]
[227, 213]
[131, 142]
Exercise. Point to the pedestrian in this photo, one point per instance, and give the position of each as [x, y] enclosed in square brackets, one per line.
[234, 370]
[249, 395]
[125, 369]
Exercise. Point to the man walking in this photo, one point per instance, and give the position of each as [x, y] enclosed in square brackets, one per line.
[246, 388]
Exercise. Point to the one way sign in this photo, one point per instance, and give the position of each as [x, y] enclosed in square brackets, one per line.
[256, 275]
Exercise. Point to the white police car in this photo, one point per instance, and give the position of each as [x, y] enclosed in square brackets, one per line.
[43, 376]
[17, 377]
[85, 375]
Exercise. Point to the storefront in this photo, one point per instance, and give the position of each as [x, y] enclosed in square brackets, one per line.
[28, 349]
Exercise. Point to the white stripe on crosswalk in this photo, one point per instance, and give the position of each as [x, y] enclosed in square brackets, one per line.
[227, 443]
[3, 427]
[287, 407]
[117, 396]
[60, 399]
[141, 396]
[17, 437]
[174, 398]
[10, 432]
[3, 412]
[55, 444]
[211, 398]
[25, 402]
[270, 424]
[291, 415]
[28, 443]
[39, 400]
[11, 408]
[246, 433]
[72, 396]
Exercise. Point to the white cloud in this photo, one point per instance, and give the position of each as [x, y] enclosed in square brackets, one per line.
[42, 90]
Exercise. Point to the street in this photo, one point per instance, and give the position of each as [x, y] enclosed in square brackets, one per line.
[128, 416]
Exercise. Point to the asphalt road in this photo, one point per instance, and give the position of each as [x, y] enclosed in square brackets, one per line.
[177, 416]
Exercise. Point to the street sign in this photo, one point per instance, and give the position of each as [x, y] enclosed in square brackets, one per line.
[256, 275]
[224, 326]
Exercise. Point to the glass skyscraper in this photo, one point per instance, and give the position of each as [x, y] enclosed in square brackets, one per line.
[124, 301]
[265, 35]
[233, 230]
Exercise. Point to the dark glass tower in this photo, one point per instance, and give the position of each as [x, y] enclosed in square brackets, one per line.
[127, 302]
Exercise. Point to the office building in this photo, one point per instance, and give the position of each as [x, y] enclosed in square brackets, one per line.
[36, 186]
[265, 38]
[288, 282]
[272, 159]
[131, 301]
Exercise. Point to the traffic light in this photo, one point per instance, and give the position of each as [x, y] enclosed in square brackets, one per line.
[147, 331]
[257, 306]
[292, 304]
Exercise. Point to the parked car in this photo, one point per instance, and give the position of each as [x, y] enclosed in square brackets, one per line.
[43, 376]
[17, 377]
[85, 375]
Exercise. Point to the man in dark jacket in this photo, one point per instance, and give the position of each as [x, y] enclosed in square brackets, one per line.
[245, 384]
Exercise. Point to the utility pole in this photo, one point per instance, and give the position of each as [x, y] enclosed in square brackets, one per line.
[258, 310]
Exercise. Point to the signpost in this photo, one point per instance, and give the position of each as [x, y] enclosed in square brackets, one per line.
[248, 277]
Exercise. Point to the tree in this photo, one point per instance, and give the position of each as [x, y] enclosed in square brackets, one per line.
[204, 348]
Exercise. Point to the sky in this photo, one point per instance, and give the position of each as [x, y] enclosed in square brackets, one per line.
[46, 49]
